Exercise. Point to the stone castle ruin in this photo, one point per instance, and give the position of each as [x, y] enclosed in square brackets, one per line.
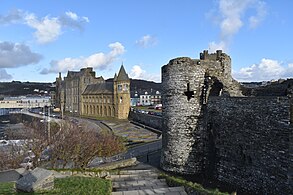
[211, 129]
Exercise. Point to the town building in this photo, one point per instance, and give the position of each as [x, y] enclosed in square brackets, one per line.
[147, 98]
[81, 93]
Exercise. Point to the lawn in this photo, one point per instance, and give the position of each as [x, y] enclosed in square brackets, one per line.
[69, 185]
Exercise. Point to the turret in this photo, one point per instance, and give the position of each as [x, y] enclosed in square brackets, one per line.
[122, 94]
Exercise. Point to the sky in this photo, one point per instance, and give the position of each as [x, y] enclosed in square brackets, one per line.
[38, 39]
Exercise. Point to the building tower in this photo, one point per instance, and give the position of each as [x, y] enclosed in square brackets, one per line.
[121, 94]
[58, 91]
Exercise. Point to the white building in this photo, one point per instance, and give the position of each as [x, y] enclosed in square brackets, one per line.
[145, 99]
[25, 102]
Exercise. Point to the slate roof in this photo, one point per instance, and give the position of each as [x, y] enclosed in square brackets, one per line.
[99, 88]
[122, 76]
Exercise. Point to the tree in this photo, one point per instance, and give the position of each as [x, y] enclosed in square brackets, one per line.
[69, 143]
[81, 144]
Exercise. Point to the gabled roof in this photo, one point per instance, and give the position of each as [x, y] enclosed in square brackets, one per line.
[99, 88]
[122, 76]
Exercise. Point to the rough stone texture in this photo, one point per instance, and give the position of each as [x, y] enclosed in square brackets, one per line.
[38, 179]
[117, 164]
[242, 141]
[181, 117]
[251, 142]
[146, 119]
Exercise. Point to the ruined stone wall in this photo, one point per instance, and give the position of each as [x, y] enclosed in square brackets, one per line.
[146, 119]
[183, 138]
[251, 138]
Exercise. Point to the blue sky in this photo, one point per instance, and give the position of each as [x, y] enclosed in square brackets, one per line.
[40, 38]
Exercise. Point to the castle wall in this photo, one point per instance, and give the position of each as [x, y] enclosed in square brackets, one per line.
[251, 142]
[146, 119]
[182, 116]
[245, 142]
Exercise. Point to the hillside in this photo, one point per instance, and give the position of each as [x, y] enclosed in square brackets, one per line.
[16, 88]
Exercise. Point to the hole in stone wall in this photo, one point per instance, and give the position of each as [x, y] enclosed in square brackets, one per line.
[216, 87]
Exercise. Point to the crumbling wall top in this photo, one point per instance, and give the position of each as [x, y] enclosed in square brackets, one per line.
[219, 55]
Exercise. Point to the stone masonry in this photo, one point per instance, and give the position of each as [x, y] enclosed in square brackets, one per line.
[211, 129]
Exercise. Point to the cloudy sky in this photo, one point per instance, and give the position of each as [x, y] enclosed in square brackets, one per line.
[38, 39]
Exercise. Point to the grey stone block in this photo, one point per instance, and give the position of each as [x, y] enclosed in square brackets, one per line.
[38, 179]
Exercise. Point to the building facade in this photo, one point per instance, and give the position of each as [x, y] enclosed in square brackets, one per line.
[82, 93]
[108, 99]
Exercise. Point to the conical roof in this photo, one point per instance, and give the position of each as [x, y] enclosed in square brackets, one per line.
[115, 77]
[122, 76]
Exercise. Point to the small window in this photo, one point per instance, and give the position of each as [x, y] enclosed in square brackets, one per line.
[125, 87]
[120, 99]
[119, 87]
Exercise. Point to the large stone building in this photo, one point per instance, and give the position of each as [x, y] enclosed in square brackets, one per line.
[82, 93]
[108, 99]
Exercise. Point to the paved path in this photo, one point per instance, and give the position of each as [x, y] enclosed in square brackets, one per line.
[142, 179]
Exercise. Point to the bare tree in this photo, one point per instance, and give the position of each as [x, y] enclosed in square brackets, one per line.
[80, 145]
[69, 144]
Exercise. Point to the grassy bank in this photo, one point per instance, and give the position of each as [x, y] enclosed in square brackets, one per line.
[68, 185]
[190, 186]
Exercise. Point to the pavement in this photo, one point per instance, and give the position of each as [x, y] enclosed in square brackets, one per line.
[142, 179]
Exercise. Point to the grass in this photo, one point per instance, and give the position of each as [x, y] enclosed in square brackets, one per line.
[68, 185]
[178, 181]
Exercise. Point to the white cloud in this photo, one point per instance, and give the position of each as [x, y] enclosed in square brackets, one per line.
[267, 69]
[146, 41]
[72, 20]
[232, 13]
[138, 73]
[72, 15]
[4, 75]
[261, 13]
[48, 28]
[17, 54]
[13, 16]
[99, 61]
[213, 47]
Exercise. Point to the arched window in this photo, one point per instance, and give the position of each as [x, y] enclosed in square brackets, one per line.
[110, 111]
[105, 110]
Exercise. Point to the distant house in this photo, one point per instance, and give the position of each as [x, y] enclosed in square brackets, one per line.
[134, 100]
[156, 98]
[146, 98]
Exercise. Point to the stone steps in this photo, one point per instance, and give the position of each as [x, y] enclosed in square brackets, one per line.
[142, 179]
[165, 191]
[138, 185]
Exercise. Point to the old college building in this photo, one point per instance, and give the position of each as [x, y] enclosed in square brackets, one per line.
[85, 94]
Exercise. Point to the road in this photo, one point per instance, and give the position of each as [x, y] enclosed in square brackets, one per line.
[139, 151]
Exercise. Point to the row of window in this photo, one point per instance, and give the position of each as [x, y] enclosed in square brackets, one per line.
[150, 97]
[98, 110]
[97, 99]
[123, 87]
